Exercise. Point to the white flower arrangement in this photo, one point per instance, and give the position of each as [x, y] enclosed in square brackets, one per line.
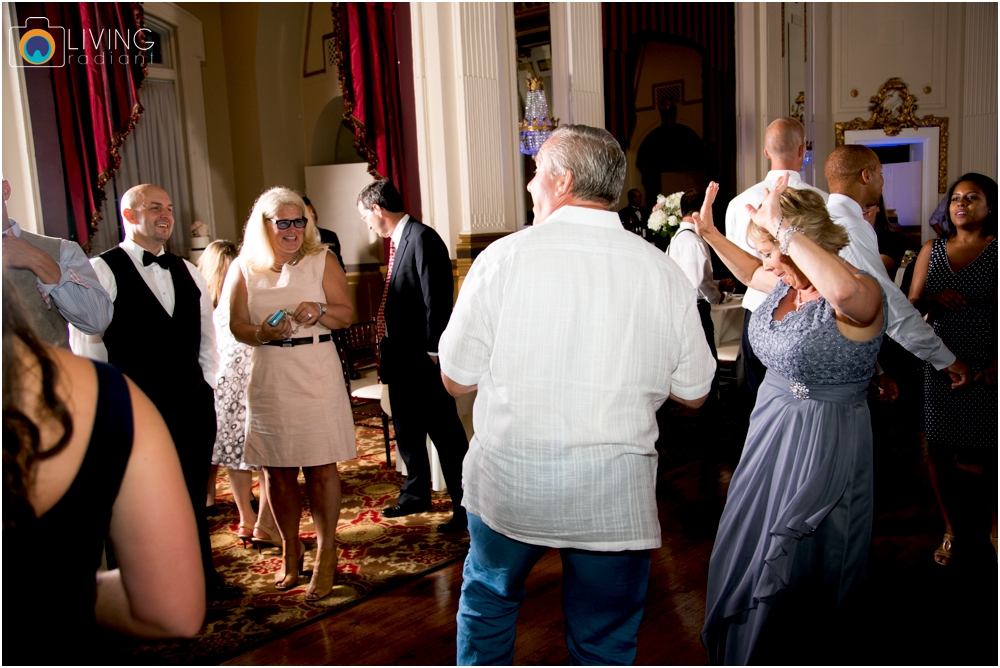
[666, 215]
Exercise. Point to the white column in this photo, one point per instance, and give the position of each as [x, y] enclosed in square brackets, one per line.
[577, 63]
[979, 129]
[464, 89]
[19, 169]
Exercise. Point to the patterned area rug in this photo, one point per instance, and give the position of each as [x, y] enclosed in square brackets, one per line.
[376, 554]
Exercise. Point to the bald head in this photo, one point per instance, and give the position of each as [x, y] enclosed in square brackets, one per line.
[148, 216]
[846, 163]
[785, 144]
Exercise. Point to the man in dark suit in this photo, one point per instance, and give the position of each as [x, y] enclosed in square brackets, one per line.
[635, 217]
[416, 305]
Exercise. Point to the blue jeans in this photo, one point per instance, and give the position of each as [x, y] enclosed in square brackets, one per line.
[604, 595]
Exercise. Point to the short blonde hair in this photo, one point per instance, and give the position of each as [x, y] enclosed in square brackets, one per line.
[805, 209]
[214, 265]
[256, 250]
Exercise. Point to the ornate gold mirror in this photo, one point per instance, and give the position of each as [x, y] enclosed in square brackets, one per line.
[894, 110]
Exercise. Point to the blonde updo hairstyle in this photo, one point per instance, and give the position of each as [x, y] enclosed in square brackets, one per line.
[805, 209]
[256, 251]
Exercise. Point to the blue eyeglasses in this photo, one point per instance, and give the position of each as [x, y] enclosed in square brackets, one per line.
[299, 223]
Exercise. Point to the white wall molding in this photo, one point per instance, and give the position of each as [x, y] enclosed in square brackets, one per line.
[979, 131]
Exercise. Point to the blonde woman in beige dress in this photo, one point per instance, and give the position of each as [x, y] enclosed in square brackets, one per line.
[298, 411]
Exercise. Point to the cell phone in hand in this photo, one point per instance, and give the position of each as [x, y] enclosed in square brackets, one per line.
[278, 317]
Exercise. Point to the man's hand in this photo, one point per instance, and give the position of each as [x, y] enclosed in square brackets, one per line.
[959, 372]
[888, 389]
[19, 254]
[948, 299]
[987, 375]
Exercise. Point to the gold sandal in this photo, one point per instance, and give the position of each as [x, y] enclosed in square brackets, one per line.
[944, 552]
[324, 573]
[287, 578]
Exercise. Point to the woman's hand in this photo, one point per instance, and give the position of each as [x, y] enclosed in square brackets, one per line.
[949, 299]
[768, 216]
[307, 313]
[283, 330]
[703, 222]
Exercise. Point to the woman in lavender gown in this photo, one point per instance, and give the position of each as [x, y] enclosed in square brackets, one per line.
[793, 538]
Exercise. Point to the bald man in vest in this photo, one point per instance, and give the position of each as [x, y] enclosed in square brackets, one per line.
[55, 282]
[785, 148]
[162, 336]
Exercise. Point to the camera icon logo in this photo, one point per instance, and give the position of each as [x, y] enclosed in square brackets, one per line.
[37, 44]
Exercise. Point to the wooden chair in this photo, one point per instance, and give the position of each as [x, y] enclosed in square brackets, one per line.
[360, 352]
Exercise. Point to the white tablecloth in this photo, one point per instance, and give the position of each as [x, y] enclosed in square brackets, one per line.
[728, 320]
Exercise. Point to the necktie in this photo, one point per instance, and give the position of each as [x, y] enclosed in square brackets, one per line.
[380, 319]
[148, 259]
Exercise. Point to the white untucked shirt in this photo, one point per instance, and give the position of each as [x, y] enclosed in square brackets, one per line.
[162, 286]
[906, 326]
[691, 254]
[738, 220]
[575, 331]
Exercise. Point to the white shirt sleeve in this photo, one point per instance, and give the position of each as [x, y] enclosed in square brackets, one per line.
[466, 344]
[906, 326]
[92, 346]
[208, 353]
[692, 256]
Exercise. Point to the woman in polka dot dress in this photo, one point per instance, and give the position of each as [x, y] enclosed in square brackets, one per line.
[955, 282]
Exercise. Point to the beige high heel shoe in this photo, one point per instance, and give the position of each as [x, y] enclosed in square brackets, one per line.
[324, 573]
[285, 580]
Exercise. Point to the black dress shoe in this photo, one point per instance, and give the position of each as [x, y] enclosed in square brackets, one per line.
[220, 590]
[457, 524]
[408, 508]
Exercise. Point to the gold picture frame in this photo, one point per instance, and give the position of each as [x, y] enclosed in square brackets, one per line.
[893, 110]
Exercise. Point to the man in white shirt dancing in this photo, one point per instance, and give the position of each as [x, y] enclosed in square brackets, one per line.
[785, 148]
[574, 332]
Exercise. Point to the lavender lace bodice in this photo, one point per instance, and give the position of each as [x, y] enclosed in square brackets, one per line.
[806, 346]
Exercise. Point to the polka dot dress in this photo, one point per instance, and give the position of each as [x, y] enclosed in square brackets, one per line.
[967, 416]
[230, 393]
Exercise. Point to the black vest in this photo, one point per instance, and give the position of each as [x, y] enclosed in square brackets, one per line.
[157, 351]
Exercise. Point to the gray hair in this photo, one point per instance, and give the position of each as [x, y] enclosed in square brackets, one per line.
[593, 156]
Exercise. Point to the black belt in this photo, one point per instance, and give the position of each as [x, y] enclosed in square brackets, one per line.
[304, 341]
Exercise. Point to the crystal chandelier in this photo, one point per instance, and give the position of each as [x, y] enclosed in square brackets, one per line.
[536, 126]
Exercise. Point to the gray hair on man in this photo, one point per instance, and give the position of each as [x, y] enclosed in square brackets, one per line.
[593, 156]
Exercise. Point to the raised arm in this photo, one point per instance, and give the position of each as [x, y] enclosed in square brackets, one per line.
[745, 267]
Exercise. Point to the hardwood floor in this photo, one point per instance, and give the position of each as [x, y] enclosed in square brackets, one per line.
[915, 613]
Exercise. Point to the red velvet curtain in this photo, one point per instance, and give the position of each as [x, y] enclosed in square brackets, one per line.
[96, 97]
[365, 37]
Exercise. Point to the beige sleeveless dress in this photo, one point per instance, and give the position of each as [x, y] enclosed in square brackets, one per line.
[298, 411]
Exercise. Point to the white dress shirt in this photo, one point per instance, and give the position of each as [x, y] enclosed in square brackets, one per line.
[162, 286]
[691, 254]
[906, 326]
[575, 331]
[738, 220]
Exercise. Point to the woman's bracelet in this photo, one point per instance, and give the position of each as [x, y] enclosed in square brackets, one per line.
[777, 230]
[783, 247]
[256, 335]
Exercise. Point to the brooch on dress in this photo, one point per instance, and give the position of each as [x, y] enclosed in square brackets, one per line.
[799, 390]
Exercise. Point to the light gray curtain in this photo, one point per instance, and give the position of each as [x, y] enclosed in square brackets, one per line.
[154, 153]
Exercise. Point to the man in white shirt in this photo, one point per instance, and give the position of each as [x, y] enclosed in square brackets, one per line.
[693, 256]
[162, 336]
[855, 177]
[574, 332]
[785, 148]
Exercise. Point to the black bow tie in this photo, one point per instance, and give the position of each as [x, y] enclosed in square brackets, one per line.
[162, 260]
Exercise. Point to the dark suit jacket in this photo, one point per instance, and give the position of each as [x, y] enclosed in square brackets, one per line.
[632, 223]
[418, 304]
